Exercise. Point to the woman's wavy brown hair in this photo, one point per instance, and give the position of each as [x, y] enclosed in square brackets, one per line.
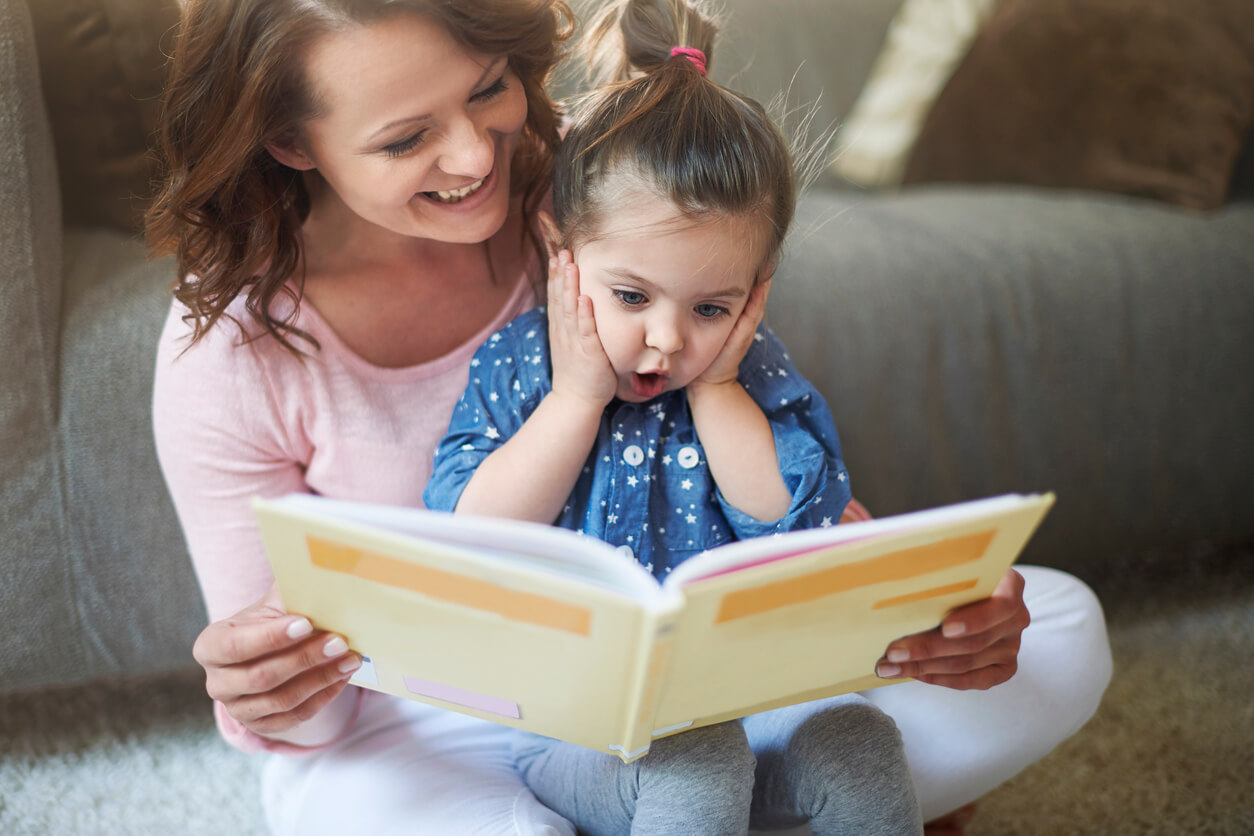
[660, 121]
[230, 212]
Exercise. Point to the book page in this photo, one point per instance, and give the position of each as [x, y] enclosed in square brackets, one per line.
[744, 554]
[545, 548]
[775, 632]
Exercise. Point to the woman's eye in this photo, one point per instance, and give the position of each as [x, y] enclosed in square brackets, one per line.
[709, 311]
[630, 298]
[403, 147]
[490, 92]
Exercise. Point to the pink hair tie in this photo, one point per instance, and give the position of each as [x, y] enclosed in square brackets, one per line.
[696, 56]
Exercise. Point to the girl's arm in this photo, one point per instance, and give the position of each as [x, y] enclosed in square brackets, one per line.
[737, 437]
[531, 476]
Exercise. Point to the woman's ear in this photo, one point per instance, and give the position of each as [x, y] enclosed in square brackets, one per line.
[291, 156]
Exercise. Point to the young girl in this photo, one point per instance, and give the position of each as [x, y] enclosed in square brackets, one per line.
[648, 407]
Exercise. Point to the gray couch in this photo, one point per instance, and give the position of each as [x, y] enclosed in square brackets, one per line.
[971, 340]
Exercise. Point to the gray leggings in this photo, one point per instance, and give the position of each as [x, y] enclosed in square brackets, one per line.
[836, 763]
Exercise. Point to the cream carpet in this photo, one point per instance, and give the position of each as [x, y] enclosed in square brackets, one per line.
[1171, 751]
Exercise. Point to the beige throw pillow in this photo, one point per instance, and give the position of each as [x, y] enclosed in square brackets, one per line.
[925, 42]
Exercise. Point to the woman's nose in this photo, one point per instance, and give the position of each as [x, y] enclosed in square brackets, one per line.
[469, 151]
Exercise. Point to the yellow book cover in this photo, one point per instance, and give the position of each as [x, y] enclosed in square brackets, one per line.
[558, 633]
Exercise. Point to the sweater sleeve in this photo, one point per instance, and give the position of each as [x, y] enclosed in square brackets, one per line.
[221, 440]
[509, 375]
[806, 443]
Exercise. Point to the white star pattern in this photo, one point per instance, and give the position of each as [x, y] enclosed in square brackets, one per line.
[691, 518]
[686, 484]
[667, 459]
[826, 523]
[494, 397]
[612, 518]
[492, 433]
[842, 476]
[632, 481]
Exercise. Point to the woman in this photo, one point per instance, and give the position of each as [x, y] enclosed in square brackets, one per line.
[351, 194]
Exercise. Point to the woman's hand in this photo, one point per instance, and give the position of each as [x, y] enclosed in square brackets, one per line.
[272, 670]
[976, 646]
[725, 367]
[581, 367]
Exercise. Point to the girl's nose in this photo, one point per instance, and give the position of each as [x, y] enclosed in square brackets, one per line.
[469, 151]
[664, 334]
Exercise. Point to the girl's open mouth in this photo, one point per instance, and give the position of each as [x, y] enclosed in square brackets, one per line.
[649, 384]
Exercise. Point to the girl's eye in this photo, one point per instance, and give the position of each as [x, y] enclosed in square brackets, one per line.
[490, 92]
[630, 298]
[404, 146]
[710, 311]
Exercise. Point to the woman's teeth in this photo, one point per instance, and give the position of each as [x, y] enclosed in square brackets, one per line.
[456, 195]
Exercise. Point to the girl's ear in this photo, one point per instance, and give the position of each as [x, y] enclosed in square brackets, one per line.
[766, 272]
[289, 155]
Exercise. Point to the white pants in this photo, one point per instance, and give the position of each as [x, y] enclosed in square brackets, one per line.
[408, 768]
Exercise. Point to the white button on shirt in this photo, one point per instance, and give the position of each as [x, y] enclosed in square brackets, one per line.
[688, 458]
[633, 455]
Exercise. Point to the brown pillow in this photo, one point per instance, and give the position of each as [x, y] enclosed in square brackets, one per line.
[1143, 97]
[102, 68]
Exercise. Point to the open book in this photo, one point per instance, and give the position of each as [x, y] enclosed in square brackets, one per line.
[555, 632]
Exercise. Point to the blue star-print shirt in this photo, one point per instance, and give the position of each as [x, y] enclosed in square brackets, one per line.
[645, 484]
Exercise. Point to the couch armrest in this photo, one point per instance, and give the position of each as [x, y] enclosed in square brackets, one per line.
[34, 593]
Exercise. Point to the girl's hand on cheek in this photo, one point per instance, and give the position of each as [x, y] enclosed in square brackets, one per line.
[726, 365]
[581, 367]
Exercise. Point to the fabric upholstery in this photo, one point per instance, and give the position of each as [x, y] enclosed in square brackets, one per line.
[1150, 99]
[104, 74]
[136, 598]
[36, 595]
[972, 341]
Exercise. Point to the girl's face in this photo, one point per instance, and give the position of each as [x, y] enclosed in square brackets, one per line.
[666, 291]
[414, 133]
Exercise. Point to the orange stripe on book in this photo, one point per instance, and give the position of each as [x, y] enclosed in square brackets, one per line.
[449, 586]
[934, 592]
[895, 566]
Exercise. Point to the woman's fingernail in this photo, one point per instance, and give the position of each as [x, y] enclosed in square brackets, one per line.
[299, 627]
[952, 629]
[898, 654]
[350, 664]
[334, 647]
[887, 671]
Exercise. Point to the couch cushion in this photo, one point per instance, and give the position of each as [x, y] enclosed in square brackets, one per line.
[975, 340]
[1150, 99]
[103, 68]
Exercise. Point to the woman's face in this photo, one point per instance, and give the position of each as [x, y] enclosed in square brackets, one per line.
[414, 133]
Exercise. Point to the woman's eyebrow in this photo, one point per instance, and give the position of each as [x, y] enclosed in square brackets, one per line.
[488, 72]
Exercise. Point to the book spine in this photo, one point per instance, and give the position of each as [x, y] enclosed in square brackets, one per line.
[652, 666]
